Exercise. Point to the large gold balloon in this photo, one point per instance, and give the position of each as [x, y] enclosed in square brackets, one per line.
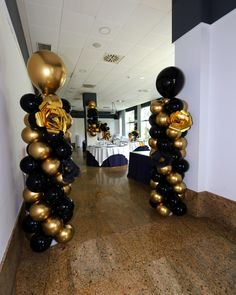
[155, 197]
[39, 212]
[93, 133]
[52, 226]
[165, 170]
[51, 166]
[46, 71]
[67, 189]
[152, 151]
[183, 153]
[39, 150]
[31, 197]
[92, 104]
[152, 142]
[59, 179]
[162, 119]
[153, 184]
[180, 143]
[173, 133]
[180, 188]
[26, 120]
[65, 234]
[163, 210]
[68, 135]
[29, 135]
[174, 178]
[156, 107]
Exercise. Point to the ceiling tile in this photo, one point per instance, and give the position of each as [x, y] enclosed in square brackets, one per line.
[72, 39]
[163, 5]
[88, 7]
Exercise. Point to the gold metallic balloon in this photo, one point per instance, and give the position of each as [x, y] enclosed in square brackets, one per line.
[165, 170]
[180, 121]
[174, 178]
[165, 100]
[93, 133]
[180, 188]
[52, 226]
[155, 197]
[97, 130]
[162, 119]
[39, 212]
[68, 135]
[153, 184]
[183, 153]
[29, 135]
[180, 143]
[69, 121]
[60, 180]
[50, 166]
[26, 120]
[65, 234]
[152, 151]
[46, 71]
[67, 189]
[53, 99]
[163, 210]
[39, 150]
[152, 143]
[92, 104]
[173, 133]
[94, 126]
[31, 197]
[156, 107]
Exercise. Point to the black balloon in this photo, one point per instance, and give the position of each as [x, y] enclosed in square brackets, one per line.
[180, 166]
[32, 121]
[173, 105]
[169, 82]
[29, 225]
[171, 200]
[30, 102]
[156, 131]
[152, 204]
[164, 189]
[53, 195]
[66, 105]
[55, 139]
[40, 242]
[155, 176]
[37, 182]
[164, 144]
[179, 209]
[184, 133]
[152, 119]
[66, 216]
[28, 164]
[27, 206]
[64, 151]
[65, 204]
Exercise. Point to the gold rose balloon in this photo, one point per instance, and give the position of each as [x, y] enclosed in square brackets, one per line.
[65, 234]
[31, 197]
[29, 135]
[92, 104]
[155, 197]
[153, 143]
[26, 120]
[162, 119]
[173, 133]
[174, 178]
[68, 135]
[153, 184]
[180, 143]
[67, 189]
[183, 153]
[51, 166]
[39, 212]
[180, 121]
[180, 188]
[156, 107]
[39, 150]
[163, 210]
[46, 71]
[52, 226]
[59, 179]
[165, 170]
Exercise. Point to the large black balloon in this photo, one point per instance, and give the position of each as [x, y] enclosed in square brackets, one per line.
[152, 204]
[173, 105]
[66, 105]
[164, 189]
[32, 121]
[164, 144]
[156, 131]
[179, 209]
[65, 204]
[28, 164]
[169, 82]
[54, 139]
[53, 195]
[37, 182]
[152, 119]
[30, 102]
[171, 200]
[29, 225]
[66, 216]
[180, 166]
[64, 151]
[40, 242]
[92, 113]
[155, 176]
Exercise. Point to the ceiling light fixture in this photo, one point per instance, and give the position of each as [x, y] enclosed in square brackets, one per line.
[141, 78]
[96, 45]
[120, 100]
[104, 30]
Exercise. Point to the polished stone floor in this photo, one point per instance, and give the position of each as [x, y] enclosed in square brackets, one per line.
[122, 247]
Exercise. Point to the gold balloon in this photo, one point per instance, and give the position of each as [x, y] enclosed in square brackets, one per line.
[69, 121]
[29, 135]
[39, 212]
[67, 189]
[93, 133]
[173, 133]
[46, 71]
[155, 197]
[68, 135]
[92, 104]
[153, 184]
[180, 121]
[180, 188]
[26, 120]
[97, 130]
[181, 196]
[152, 151]
[183, 153]
[162, 119]
[156, 106]
[163, 210]
[52, 226]
[65, 234]
[52, 99]
[31, 197]
[180, 143]
[51, 166]
[174, 178]
[152, 142]
[94, 126]
[60, 180]
[165, 170]
[39, 150]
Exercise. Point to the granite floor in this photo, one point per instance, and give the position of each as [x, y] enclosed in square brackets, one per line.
[123, 247]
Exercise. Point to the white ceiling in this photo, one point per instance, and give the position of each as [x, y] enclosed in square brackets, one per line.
[140, 31]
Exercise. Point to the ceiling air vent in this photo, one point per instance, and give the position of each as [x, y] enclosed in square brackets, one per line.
[88, 85]
[112, 58]
[42, 46]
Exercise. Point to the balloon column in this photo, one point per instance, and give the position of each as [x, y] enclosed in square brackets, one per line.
[133, 135]
[105, 131]
[169, 121]
[48, 165]
[92, 114]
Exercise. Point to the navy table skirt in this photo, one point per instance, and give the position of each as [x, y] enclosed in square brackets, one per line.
[139, 167]
[112, 161]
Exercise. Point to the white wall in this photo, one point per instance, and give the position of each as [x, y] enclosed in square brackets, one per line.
[14, 83]
[77, 129]
[112, 124]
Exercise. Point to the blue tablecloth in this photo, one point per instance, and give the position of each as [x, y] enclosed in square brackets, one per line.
[112, 161]
[140, 167]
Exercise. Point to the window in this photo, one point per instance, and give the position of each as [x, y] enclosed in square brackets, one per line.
[145, 126]
[129, 121]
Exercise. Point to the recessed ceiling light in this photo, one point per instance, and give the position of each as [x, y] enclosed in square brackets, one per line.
[104, 30]
[141, 78]
[120, 100]
[96, 45]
